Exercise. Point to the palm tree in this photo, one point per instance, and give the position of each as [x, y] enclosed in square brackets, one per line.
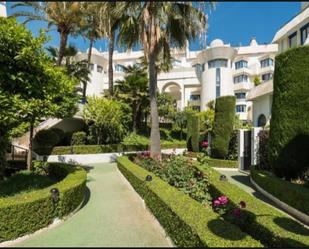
[66, 16]
[133, 89]
[156, 25]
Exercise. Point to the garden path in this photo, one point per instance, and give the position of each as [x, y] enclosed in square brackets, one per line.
[112, 216]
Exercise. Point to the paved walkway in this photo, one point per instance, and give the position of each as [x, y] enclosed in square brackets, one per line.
[113, 216]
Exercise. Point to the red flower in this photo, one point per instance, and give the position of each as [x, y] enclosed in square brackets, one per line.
[242, 204]
[205, 144]
[223, 200]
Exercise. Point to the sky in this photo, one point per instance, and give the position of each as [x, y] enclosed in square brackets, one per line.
[233, 22]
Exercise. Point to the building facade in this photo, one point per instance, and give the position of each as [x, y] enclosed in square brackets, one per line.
[3, 9]
[197, 77]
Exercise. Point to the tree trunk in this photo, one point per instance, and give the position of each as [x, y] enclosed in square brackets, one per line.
[155, 147]
[29, 158]
[135, 116]
[63, 43]
[90, 51]
[110, 62]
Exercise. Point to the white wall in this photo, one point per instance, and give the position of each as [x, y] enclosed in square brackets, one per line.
[262, 105]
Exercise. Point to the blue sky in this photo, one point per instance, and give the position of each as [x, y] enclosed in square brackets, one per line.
[233, 22]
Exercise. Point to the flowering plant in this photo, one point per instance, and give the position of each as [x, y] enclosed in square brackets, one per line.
[204, 144]
[220, 204]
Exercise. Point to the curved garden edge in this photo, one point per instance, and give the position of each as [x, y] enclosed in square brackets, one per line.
[290, 210]
[55, 223]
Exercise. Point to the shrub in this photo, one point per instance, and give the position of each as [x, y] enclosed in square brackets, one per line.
[46, 138]
[193, 132]
[223, 126]
[79, 138]
[292, 194]
[59, 132]
[289, 129]
[262, 154]
[67, 138]
[266, 224]
[187, 222]
[28, 212]
[218, 163]
[232, 153]
[178, 133]
[165, 134]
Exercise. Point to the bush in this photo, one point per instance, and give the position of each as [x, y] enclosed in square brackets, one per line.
[266, 224]
[165, 134]
[60, 133]
[218, 163]
[193, 132]
[178, 133]
[79, 138]
[135, 139]
[28, 212]
[223, 126]
[45, 138]
[262, 154]
[289, 129]
[232, 153]
[186, 221]
[292, 194]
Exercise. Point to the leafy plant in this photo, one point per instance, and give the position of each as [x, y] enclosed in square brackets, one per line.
[79, 138]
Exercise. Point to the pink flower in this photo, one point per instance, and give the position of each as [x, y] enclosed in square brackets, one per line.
[236, 212]
[205, 144]
[216, 203]
[242, 204]
[223, 200]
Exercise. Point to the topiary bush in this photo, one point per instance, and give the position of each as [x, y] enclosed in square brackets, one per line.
[59, 132]
[262, 154]
[26, 213]
[79, 138]
[223, 126]
[193, 132]
[289, 126]
[46, 138]
[232, 153]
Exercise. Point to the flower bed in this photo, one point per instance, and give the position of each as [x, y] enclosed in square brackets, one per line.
[25, 213]
[262, 222]
[294, 195]
[187, 222]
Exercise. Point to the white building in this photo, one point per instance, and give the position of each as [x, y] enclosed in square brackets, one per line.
[293, 33]
[3, 9]
[197, 77]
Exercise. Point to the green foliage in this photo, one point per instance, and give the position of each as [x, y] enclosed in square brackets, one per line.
[193, 128]
[28, 212]
[218, 163]
[292, 194]
[266, 224]
[107, 119]
[185, 220]
[262, 154]
[165, 134]
[232, 153]
[135, 139]
[289, 129]
[46, 138]
[166, 105]
[223, 126]
[60, 133]
[79, 138]
[207, 120]
[40, 168]
[257, 80]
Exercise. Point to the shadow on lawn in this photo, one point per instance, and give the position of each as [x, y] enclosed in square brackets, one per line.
[216, 227]
[291, 226]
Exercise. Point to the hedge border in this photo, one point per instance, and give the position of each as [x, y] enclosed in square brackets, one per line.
[289, 193]
[29, 212]
[183, 218]
[220, 163]
[263, 228]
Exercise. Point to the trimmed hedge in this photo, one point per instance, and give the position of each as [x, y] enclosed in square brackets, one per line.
[26, 213]
[223, 126]
[292, 194]
[193, 132]
[79, 138]
[268, 225]
[96, 149]
[289, 126]
[212, 162]
[187, 222]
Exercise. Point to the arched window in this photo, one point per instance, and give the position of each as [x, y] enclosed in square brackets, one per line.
[261, 120]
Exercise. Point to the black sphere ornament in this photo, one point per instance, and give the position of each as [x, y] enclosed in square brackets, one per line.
[55, 194]
[223, 178]
[148, 178]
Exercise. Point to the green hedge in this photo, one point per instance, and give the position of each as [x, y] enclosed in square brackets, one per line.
[223, 126]
[292, 194]
[95, 149]
[26, 213]
[289, 126]
[187, 222]
[212, 162]
[193, 132]
[268, 225]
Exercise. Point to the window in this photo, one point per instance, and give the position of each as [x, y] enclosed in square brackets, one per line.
[304, 33]
[240, 95]
[195, 97]
[119, 68]
[217, 63]
[267, 62]
[293, 39]
[199, 68]
[99, 69]
[267, 76]
[91, 67]
[241, 108]
[241, 64]
[218, 82]
[241, 78]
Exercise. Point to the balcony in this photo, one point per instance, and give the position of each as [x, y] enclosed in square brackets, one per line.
[268, 69]
[243, 86]
[243, 70]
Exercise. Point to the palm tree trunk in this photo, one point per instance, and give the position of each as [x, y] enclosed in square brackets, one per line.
[63, 43]
[90, 51]
[29, 157]
[155, 147]
[110, 62]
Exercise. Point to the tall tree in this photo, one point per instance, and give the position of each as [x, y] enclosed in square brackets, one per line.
[133, 90]
[66, 16]
[156, 25]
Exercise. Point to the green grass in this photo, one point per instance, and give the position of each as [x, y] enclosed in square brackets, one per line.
[292, 194]
[219, 163]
